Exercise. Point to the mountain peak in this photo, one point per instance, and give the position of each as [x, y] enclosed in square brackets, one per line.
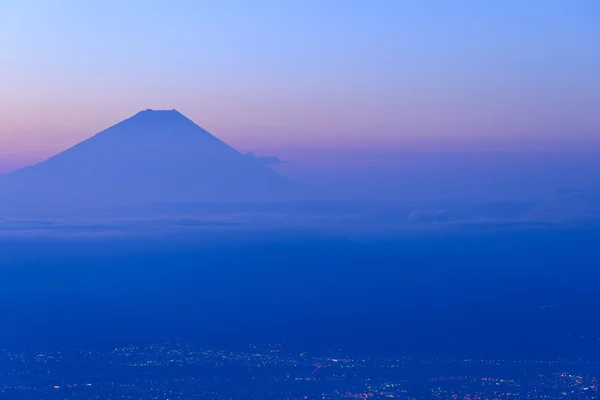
[155, 123]
[151, 113]
[151, 110]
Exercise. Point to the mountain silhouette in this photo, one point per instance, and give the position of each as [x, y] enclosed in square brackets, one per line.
[154, 156]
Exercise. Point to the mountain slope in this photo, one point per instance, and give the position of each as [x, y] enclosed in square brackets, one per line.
[154, 156]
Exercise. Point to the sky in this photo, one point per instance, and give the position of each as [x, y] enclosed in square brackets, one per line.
[302, 74]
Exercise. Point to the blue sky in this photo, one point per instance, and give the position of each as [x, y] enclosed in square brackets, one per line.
[301, 74]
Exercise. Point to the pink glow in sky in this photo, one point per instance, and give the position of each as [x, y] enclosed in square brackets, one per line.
[339, 74]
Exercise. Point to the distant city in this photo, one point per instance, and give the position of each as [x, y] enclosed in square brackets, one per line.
[182, 370]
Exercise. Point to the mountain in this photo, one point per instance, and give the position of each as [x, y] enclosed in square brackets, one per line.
[152, 157]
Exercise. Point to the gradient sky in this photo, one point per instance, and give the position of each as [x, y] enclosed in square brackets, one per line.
[335, 73]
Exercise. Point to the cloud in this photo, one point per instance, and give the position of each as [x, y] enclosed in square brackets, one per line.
[427, 215]
[565, 209]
